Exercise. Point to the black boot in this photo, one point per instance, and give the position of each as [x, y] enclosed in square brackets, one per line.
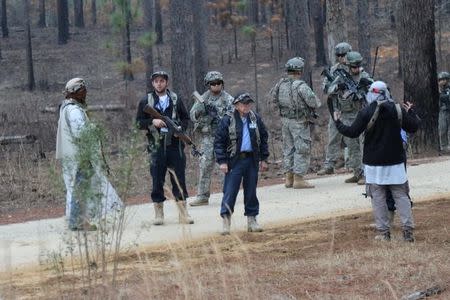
[408, 236]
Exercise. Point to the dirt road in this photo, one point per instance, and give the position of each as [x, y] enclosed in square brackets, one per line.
[31, 242]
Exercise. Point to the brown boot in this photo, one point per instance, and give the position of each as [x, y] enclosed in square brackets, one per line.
[184, 217]
[300, 183]
[325, 171]
[362, 180]
[353, 179]
[289, 180]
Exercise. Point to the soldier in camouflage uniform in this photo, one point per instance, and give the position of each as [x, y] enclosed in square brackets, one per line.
[296, 103]
[349, 106]
[206, 117]
[444, 112]
[335, 139]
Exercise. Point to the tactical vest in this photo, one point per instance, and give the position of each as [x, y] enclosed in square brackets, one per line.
[233, 134]
[153, 131]
[222, 103]
[289, 107]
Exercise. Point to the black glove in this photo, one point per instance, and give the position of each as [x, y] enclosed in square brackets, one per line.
[342, 86]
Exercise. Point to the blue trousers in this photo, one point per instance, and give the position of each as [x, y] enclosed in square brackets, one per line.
[245, 170]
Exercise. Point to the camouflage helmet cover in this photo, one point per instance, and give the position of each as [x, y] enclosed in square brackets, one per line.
[444, 75]
[295, 64]
[354, 58]
[213, 76]
[342, 48]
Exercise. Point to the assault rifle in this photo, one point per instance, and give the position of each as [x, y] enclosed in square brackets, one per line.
[211, 110]
[174, 128]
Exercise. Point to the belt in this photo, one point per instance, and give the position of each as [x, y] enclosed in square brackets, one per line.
[242, 155]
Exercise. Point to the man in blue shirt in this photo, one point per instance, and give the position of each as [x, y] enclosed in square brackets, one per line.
[241, 150]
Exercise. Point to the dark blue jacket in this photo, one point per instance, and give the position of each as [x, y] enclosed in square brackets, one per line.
[222, 140]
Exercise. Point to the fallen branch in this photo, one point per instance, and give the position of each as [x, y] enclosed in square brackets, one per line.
[17, 139]
[106, 107]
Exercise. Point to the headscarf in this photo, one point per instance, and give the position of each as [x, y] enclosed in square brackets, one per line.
[378, 91]
[74, 85]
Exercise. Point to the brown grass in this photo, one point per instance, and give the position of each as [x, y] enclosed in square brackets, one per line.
[335, 258]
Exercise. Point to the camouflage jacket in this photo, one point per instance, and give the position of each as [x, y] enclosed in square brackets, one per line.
[295, 99]
[346, 100]
[207, 115]
[444, 99]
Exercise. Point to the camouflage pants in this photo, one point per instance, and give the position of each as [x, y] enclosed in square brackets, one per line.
[207, 162]
[444, 129]
[354, 146]
[296, 146]
[334, 150]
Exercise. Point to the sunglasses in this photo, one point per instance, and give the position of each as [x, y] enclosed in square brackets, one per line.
[215, 83]
[341, 55]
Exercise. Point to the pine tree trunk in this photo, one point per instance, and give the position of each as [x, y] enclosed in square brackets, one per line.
[63, 21]
[78, 13]
[94, 12]
[28, 49]
[148, 51]
[200, 45]
[336, 26]
[42, 21]
[126, 43]
[299, 34]
[158, 23]
[416, 34]
[181, 49]
[253, 11]
[5, 31]
[364, 32]
[319, 23]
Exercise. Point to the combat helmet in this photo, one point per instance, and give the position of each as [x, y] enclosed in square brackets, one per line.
[295, 64]
[213, 76]
[444, 76]
[342, 48]
[354, 59]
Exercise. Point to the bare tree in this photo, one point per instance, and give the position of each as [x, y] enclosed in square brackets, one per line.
[29, 51]
[253, 11]
[42, 13]
[62, 8]
[364, 43]
[317, 11]
[126, 43]
[416, 34]
[181, 49]
[158, 22]
[94, 12]
[148, 51]
[78, 13]
[336, 25]
[200, 45]
[299, 33]
[5, 31]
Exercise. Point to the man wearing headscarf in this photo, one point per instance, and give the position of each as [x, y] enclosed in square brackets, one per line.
[79, 171]
[384, 155]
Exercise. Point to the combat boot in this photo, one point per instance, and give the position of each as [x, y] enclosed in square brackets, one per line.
[300, 183]
[183, 215]
[226, 224]
[199, 202]
[325, 171]
[289, 181]
[252, 224]
[408, 236]
[383, 236]
[159, 213]
[353, 179]
[339, 164]
[362, 180]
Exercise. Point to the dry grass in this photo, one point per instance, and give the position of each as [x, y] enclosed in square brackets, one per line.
[328, 259]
